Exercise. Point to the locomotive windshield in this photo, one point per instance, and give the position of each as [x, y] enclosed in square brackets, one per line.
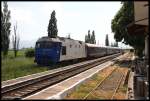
[44, 44]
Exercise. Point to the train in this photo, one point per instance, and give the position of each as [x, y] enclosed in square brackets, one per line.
[53, 50]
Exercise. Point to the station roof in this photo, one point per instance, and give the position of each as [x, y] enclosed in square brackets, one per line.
[135, 29]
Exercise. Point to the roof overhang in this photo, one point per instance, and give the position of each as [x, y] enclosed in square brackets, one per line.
[135, 29]
[140, 23]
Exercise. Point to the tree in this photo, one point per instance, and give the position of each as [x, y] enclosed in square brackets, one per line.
[111, 44]
[2, 31]
[15, 41]
[116, 45]
[89, 37]
[5, 31]
[119, 24]
[106, 40]
[93, 41]
[52, 27]
[86, 39]
[69, 37]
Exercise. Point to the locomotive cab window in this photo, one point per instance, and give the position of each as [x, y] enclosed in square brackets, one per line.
[70, 46]
[49, 45]
[37, 45]
[45, 44]
[63, 50]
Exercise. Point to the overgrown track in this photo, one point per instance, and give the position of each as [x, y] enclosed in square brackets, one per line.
[107, 88]
[27, 88]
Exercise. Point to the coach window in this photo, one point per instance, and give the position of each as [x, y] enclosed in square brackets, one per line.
[63, 50]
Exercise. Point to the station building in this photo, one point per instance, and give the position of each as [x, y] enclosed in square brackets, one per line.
[140, 25]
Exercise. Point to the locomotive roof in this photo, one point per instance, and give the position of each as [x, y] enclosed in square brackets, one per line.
[93, 45]
[57, 39]
[48, 39]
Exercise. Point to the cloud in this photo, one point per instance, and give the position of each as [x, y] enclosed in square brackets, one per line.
[21, 15]
[46, 10]
[48, 7]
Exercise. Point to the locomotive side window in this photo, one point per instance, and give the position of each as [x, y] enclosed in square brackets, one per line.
[70, 46]
[63, 50]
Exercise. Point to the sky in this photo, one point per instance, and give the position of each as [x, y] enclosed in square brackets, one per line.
[74, 18]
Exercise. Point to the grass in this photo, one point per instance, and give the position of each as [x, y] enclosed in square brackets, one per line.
[11, 54]
[121, 93]
[82, 90]
[91, 97]
[86, 87]
[20, 66]
[123, 88]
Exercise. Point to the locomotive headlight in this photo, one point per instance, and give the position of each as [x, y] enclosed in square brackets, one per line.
[57, 52]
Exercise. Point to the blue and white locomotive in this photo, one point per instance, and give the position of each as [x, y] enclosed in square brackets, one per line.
[59, 49]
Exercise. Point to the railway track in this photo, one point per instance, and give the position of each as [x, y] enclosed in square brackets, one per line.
[24, 89]
[107, 88]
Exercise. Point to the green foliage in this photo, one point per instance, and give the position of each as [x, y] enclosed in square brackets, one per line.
[5, 28]
[30, 52]
[86, 39]
[52, 27]
[114, 44]
[90, 38]
[119, 24]
[69, 37]
[21, 53]
[93, 41]
[106, 40]
[121, 20]
[15, 41]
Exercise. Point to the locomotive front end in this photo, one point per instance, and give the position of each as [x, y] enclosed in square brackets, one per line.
[47, 51]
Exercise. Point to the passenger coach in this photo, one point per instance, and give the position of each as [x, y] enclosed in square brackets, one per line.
[99, 51]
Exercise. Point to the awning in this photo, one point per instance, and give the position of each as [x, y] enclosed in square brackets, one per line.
[133, 28]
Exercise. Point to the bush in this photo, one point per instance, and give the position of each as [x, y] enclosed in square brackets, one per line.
[29, 52]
